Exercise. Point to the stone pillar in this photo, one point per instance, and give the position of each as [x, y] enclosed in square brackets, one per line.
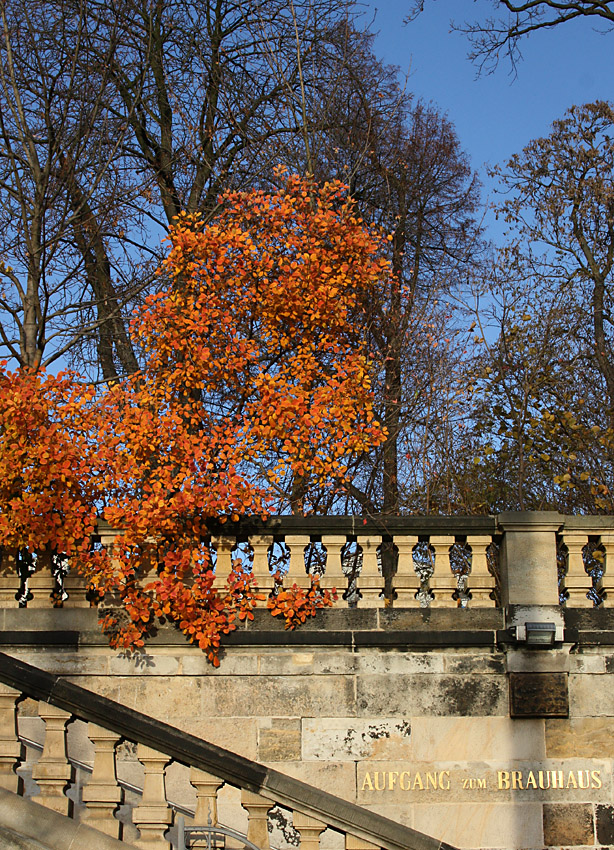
[261, 543]
[207, 785]
[309, 829]
[607, 580]
[370, 581]
[334, 575]
[481, 583]
[52, 772]
[577, 580]
[10, 748]
[443, 580]
[297, 574]
[102, 794]
[223, 546]
[41, 584]
[9, 579]
[406, 581]
[153, 816]
[257, 818]
[529, 577]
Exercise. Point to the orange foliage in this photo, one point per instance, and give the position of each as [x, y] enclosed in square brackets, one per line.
[255, 374]
[295, 604]
[47, 490]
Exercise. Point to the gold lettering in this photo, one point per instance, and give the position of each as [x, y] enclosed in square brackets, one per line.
[418, 783]
[366, 783]
[596, 779]
[444, 784]
[405, 786]
[481, 783]
[571, 780]
[431, 779]
[392, 778]
[517, 780]
[531, 782]
[503, 779]
[557, 778]
[581, 774]
[541, 778]
[379, 787]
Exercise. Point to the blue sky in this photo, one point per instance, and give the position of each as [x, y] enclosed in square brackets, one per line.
[496, 115]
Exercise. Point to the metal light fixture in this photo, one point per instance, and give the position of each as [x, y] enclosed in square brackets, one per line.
[539, 634]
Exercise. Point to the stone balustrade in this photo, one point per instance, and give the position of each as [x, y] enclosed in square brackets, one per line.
[405, 562]
[156, 748]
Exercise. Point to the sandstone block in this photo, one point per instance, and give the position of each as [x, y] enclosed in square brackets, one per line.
[496, 825]
[432, 695]
[477, 738]
[339, 739]
[568, 823]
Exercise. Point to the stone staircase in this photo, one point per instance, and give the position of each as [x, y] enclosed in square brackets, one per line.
[86, 804]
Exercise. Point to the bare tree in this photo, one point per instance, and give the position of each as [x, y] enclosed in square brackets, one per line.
[56, 148]
[500, 36]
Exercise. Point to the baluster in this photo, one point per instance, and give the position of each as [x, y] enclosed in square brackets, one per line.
[52, 772]
[74, 585]
[607, 579]
[257, 818]
[352, 842]
[297, 574]
[10, 747]
[309, 829]
[481, 583]
[334, 575]
[224, 546]
[207, 785]
[577, 581]
[261, 543]
[41, 583]
[370, 581]
[9, 579]
[406, 582]
[153, 816]
[102, 795]
[443, 580]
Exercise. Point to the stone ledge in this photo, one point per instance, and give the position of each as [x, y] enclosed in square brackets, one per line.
[54, 831]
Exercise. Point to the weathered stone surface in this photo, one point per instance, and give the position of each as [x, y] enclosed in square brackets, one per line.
[143, 664]
[239, 734]
[67, 662]
[580, 737]
[473, 739]
[441, 619]
[537, 661]
[604, 823]
[473, 663]
[496, 825]
[539, 695]
[371, 660]
[279, 739]
[168, 697]
[338, 778]
[585, 662]
[306, 662]
[591, 695]
[279, 696]
[568, 823]
[431, 694]
[232, 663]
[337, 739]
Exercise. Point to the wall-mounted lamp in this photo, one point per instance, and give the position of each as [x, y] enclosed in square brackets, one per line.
[539, 634]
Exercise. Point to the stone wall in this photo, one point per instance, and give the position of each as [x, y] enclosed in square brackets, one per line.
[406, 712]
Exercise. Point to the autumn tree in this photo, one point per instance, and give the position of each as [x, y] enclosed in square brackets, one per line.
[255, 371]
[47, 485]
[547, 384]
